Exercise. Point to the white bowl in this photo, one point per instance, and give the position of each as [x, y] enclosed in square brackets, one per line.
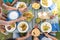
[21, 3]
[11, 30]
[49, 3]
[12, 15]
[49, 30]
[20, 30]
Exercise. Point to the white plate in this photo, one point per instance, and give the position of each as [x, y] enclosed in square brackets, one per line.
[11, 30]
[43, 15]
[20, 3]
[48, 25]
[13, 15]
[49, 3]
[20, 30]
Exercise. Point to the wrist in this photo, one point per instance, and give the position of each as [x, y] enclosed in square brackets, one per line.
[16, 39]
[48, 36]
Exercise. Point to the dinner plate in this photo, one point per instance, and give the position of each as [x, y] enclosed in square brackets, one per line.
[48, 24]
[11, 30]
[48, 1]
[12, 15]
[20, 29]
[20, 3]
[43, 15]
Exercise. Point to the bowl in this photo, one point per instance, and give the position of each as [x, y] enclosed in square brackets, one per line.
[12, 15]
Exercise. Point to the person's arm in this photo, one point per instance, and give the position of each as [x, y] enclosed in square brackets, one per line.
[20, 19]
[14, 2]
[8, 7]
[25, 37]
[53, 38]
[3, 22]
[36, 38]
[12, 8]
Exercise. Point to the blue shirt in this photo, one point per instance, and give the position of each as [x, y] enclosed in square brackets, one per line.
[10, 1]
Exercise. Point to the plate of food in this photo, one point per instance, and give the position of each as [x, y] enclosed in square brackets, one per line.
[36, 5]
[10, 28]
[44, 15]
[29, 16]
[46, 3]
[12, 15]
[23, 27]
[21, 5]
[35, 32]
[46, 27]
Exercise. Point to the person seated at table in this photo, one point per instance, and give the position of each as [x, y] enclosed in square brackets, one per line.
[2, 22]
[21, 38]
[47, 37]
[10, 2]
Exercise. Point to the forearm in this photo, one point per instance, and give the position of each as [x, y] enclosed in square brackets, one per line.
[53, 38]
[14, 2]
[22, 38]
[17, 20]
[8, 7]
[3, 22]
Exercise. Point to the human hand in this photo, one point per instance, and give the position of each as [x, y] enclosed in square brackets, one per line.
[36, 38]
[22, 9]
[28, 34]
[8, 4]
[2, 17]
[25, 37]
[46, 34]
[10, 22]
[22, 18]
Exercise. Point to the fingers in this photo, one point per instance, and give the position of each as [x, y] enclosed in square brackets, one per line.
[4, 15]
[23, 18]
[10, 22]
[22, 9]
[46, 33]
[2, 18]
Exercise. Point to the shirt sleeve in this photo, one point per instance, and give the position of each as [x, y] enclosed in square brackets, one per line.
[11, 39]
